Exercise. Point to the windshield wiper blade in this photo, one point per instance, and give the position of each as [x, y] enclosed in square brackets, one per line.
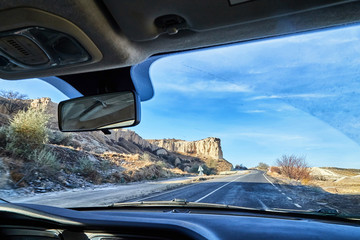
[181, 203]
[321, 211]
[324, 212]
[3, 200]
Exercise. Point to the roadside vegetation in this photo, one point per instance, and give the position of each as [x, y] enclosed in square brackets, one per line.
[239, 167]
[294, 170]
[34, 155]
[291, 168]
[13, 101]
[262, 166]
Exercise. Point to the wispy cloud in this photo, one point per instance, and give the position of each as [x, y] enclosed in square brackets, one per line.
[205, 86]
[306, 95]
[255, 111]
[258, 136]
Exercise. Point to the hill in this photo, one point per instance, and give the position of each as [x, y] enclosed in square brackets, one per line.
[74, 160]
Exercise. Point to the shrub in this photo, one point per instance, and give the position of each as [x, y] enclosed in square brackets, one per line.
[59, 138]
[105, 165]
[87, 169]
[85, 166]
[145, 157]
[3, 134]
[27, 131]
[294, 167]
[275, 170]
[240, 167]
[161, 164]
[42, 161]
[13, 101]
[46, 161]
[262, 166]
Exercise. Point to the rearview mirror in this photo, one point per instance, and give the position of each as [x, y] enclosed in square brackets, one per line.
[99, 112]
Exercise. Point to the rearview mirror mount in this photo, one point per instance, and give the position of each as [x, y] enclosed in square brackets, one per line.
[99, 112]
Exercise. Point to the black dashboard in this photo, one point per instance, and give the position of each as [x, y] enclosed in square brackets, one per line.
[36, 222]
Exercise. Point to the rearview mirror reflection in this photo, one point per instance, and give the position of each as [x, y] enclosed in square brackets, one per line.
[106, 111]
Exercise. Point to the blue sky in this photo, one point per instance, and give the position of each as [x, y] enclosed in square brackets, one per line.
[292, 95]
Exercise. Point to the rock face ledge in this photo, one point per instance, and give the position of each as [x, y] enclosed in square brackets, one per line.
[206, 148]
[132, 136]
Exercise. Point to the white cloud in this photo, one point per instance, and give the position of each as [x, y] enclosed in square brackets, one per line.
[205, 86]
[255, 111]
[306, 95]
[285, 108]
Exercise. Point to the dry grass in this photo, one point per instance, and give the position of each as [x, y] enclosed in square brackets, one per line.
[334, 180]
[349, 172]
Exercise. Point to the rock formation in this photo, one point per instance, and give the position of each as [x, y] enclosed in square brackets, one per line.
[180, 153]
[206, 148]
[133, 137]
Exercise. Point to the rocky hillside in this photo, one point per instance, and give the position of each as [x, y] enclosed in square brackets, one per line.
[186, 153]
[94, 158]
[208, 149]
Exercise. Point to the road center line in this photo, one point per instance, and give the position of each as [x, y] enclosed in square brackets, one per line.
[218, 189]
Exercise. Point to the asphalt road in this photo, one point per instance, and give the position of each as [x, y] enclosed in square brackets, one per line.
[253, 190]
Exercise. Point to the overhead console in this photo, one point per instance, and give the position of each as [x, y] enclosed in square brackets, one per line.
[33, 40]
[37, 48]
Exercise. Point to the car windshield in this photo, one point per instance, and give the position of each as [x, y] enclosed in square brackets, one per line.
[272, 124]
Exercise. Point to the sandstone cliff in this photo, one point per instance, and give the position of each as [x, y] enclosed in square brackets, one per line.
[207, 148]
[133, 137]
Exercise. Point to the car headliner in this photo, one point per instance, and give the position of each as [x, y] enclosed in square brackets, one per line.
[124, 32]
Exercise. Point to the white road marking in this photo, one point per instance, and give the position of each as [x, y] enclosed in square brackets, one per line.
[218, 189]
[289, 198]
[270, 182]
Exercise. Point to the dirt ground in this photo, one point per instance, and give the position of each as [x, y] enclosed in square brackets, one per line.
[331, 187]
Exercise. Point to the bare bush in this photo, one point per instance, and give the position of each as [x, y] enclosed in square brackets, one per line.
[294, 167]
[275, 170]
[13, 101]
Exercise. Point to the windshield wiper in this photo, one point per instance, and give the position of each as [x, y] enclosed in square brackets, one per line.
[180, 203]
[3, 200]
[323, 212]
